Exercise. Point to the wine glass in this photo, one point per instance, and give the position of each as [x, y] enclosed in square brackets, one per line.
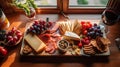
[32, 14]
[110, 17]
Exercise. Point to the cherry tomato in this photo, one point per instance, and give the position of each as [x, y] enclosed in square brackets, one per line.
[80, 45]
[88, 26]
[82, 22]
[88, 22]
[85, 32]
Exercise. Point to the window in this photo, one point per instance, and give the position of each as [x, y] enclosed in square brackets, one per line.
[87, 3]
[47, 6]
[46, 3]
[84, 6]
[68, 6]
[71, 6]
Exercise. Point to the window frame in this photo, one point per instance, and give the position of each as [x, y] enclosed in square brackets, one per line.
[83, 10]
[62, 5]
[46, 10]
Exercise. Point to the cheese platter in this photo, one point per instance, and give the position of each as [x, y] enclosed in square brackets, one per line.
[73, 38]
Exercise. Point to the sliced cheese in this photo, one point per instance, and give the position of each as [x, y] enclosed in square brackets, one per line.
[71, 35]
[35, 42]
[77, 27]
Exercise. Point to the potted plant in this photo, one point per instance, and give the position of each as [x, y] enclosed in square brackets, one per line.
[28, 6]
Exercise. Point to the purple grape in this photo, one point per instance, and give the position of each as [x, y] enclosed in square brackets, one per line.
[38, 28]
[92, 33]
[95, 29]
[101, 35]
[98, 27]
[88, 34]
[34, 31]
[31, 28]
[90, 29]
[97, 34]
[99, 30]
[28, 30]
[34, 26]
[95, 24]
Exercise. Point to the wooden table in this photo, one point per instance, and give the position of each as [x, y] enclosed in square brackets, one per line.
[13, 58]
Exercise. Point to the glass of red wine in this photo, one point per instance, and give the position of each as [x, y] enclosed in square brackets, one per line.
[110, 17]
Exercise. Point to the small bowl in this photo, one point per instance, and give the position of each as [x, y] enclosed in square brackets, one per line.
[6, 43]
[63, 46]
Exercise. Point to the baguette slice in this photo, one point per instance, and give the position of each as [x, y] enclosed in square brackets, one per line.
[35, 43]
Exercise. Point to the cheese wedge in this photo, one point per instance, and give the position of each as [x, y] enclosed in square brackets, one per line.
[35, 43]
[77, 27]
[71, 35]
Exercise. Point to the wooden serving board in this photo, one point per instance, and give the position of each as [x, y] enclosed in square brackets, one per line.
[57, 55]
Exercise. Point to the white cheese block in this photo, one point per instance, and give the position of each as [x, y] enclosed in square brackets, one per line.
[35, 42]
[71, 35]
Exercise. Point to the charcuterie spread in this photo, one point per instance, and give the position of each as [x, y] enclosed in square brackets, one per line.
[72, 38]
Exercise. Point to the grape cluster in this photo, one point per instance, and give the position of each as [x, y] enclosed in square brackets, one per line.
[94, 31]
[13, 36]
[39, 26]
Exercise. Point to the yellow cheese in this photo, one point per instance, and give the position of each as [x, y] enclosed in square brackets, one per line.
[35, 42]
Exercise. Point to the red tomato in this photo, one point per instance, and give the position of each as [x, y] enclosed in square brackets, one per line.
[84, 26]
[90, 25]
[82, 22]
[87, 26]
[85, 32]
[80, 45]
[88, 22]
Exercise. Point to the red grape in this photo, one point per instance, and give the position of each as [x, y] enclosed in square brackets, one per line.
[13, 29]
[15, 38]
[17, 31]
[86, 38]
[3, 51]
[19, 35]
[9, 37]
[87, 41]
[83, 40]
[36, 22]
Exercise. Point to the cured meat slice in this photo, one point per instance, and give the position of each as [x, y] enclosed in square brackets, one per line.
[52, 51]
[48, 48]
[51, 41]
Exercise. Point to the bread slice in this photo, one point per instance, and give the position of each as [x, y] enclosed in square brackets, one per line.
[35, 43]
